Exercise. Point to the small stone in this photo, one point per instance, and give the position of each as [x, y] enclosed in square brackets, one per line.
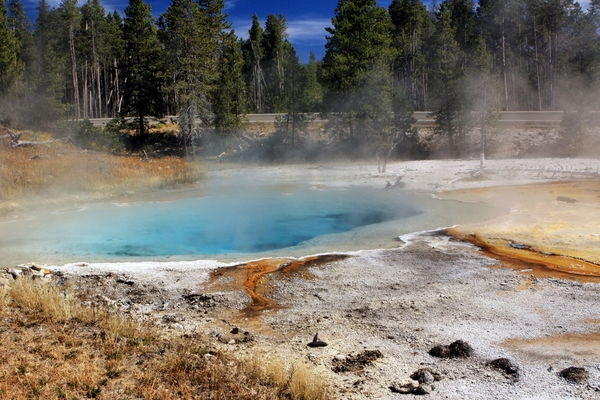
[16, 273]
[232, 341]
[426, 377]
[404, 387]
[37, 274]
[317, 342]
[574, 374]
[339, 357]
[235, 331]
[424, 388]
[177, 326]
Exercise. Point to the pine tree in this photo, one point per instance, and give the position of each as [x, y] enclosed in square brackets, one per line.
[92, 31]
[22, 29]
[69, 15]
[276, 49]
[192, 32]
[143, 75]
[412, 28]
[313, 90]
[50, 67]
[253, 51]
[356, 68]
[115, 48]
[11, 66]
[229, 97]
[452, 112]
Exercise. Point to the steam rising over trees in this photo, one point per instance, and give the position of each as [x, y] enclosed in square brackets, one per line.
[380, 65]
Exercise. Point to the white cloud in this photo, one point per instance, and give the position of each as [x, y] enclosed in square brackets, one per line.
[310, 29]
[303, 30]
[230, 5]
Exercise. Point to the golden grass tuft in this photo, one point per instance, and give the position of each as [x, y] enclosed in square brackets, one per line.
[53, 347]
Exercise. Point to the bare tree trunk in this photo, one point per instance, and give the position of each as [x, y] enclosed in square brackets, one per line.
[537, 66]
[257, 80]
[118, 98]
[483, 125]
[74, 71]
[504, 66]
[85, 91]
[97, 72]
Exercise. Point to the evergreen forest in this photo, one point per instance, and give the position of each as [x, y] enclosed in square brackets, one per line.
[459, 59]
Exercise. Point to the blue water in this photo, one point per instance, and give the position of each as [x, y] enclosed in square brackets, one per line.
[247, 221]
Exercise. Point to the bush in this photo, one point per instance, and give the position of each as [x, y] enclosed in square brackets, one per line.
[84, 134]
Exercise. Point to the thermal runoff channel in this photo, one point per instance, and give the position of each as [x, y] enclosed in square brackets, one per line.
[248, 221]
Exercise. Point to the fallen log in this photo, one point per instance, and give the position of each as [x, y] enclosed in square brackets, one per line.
[28, 143]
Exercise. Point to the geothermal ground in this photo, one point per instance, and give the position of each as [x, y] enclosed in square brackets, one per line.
[381, 312]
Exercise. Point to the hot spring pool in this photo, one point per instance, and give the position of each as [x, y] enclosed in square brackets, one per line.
[271, 220]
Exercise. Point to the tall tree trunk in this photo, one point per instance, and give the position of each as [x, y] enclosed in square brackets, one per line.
[74, 71]
[537, 65]
[504, 65]
[98, 96]
[483, 125]
[85, 91]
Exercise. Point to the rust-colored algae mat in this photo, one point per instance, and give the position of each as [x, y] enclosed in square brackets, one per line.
[556, 225]
[578, 347]
[254, 278]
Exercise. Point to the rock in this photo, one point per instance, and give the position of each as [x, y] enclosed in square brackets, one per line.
[43, 270]
[574, 374]
[426, 377]
[457, 349]
[506, 365]
[317, 342]
[404, 388]
[37, 274]
[424, 388]
[235, 331]
[339, 357]
[232, 341]
[177, 326]
[16, 273]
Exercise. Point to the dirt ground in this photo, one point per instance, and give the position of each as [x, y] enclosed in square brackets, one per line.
[380, 312]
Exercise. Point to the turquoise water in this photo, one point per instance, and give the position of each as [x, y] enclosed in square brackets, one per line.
[247, 221]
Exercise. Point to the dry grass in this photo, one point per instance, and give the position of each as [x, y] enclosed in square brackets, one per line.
[53, 347]
[60, 173]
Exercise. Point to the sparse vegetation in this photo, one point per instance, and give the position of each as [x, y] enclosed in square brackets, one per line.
[62, 173]
[53, 347]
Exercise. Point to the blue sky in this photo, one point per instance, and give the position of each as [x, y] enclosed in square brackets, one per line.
[307, 19]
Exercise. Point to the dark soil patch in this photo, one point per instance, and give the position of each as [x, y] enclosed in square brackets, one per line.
[506, 366]
[458, 349]
[354, 363]
[574, 374]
